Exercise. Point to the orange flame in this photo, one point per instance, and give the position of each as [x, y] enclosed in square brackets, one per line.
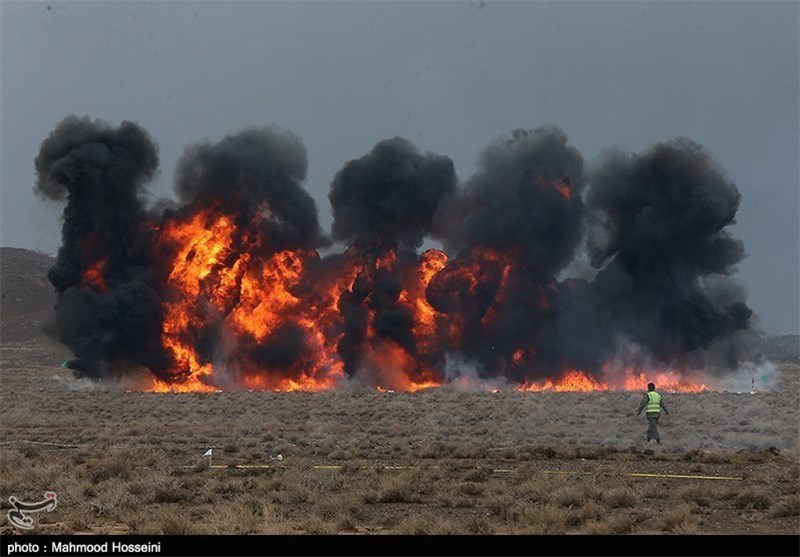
[93, 276]
[218, 277]
[425, 317]
[560, 184]
[203, 242]
[396, 369]
[191, 385]
[563, 188]
[254, 297]
[570, 382]
[578, 381]
[284, 385]
[664, 380]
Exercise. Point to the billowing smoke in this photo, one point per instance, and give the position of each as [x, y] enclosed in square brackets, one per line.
[513, 226]
[526, 195]
[225, 287]
[106, 276]
[256, 175]
[383, 205]
[389, 196]
[657, 230]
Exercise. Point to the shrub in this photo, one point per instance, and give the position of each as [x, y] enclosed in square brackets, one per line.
[174, 524]
[786, 506]
[570, 496]
[680, 520]
[621, 497]
[699, 494]
[752, 499]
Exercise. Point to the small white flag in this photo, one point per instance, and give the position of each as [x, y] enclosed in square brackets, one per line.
[208, 452]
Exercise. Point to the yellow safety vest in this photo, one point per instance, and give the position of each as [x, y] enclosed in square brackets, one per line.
[653, 403]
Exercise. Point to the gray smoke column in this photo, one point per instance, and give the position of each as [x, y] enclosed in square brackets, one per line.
[108, 309]
[658, 230]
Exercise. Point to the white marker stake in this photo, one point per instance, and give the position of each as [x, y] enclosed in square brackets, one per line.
[208, 454]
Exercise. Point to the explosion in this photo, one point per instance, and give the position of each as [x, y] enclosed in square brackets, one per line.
[231, 286]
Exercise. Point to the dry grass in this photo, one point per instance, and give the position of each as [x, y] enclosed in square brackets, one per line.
[680, 520]
[786, 506]
[465, 463]
[621, 498]
[700, 494]
[752, 498]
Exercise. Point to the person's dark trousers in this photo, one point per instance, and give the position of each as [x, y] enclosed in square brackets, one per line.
[652, 429]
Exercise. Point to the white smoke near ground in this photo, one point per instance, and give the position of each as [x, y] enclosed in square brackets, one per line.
[749, 377]
[78, 384]
[631, 359]
[464, 374]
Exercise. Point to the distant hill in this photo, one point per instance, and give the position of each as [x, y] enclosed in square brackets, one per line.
[782, 348]
[26, 296]
[27, 299]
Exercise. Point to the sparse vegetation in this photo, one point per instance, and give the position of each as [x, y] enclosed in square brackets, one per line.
[621, 497]
[433, 462]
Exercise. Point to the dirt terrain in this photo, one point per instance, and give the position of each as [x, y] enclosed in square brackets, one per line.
[438, 461]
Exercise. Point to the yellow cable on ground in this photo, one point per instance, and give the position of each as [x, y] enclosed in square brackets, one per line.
[497, 471]
[642, 475]
[219, 466]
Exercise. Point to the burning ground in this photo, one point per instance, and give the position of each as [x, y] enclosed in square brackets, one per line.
[234, 284]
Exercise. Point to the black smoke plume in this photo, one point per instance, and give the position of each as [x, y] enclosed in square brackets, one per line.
[658, 232]
[100, 172]
[256, 175]
[655, 225]
[526, 195]
[383, 205]
[389, 196]
[517, 223]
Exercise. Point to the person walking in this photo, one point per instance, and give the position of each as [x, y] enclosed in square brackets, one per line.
[652, 404]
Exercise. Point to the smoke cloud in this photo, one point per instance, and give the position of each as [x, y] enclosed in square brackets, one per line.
[383, 205]
[389, 196]
[225, 286]
[106, 276]
[526, 194]
[657, 230]
[514, 225]
[256, 175]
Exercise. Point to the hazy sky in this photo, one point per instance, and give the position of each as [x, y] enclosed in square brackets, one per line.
[449, 76]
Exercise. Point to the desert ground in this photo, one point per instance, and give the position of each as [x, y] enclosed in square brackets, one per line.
[438, 461]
